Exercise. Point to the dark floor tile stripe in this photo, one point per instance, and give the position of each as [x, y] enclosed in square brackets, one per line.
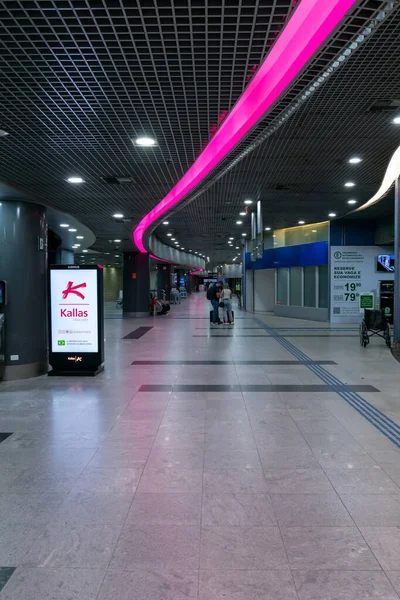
[255, 388]
[5, 574]
[137, 333]
[4, 436]
[231, 362]
[249, 335]
[240, 328]
[230, 335]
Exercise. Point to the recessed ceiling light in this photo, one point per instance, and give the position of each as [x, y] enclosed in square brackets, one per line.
[64, 225]
[117, 241]
[231, 238]
[355, 160]
[332, 215]
[75, 180]
[145, 141]
[173, 239]
[242, 214]
[118, 216]
[239, 222]
[116, 255]
[244, 234]
[351, 201]
[349, 184]
[106, 252]
[166, 223]
[77, 246]
[169, 234]
[236, 247]
[182, 248]
[268, 229]
[72, 230]
[302, 222]
[79, 237]
[396, 120]
[84, 251]
[248, 201]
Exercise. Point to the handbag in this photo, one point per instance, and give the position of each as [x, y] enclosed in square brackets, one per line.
[221, 304]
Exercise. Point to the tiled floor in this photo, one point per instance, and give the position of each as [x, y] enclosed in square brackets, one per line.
[250, 473]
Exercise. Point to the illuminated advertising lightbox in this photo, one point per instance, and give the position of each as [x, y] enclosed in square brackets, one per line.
[74, 311]
[76, 318]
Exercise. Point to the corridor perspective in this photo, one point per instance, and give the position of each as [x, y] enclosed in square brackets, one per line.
[254, 462]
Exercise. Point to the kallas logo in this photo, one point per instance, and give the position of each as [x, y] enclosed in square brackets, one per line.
[338, 255]
[73, 289]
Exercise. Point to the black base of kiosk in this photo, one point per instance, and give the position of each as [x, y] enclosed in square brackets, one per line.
[58, 373]
[76, 321]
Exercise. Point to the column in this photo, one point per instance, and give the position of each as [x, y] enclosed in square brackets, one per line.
[23, 265]
[136, 285]
[164, 279]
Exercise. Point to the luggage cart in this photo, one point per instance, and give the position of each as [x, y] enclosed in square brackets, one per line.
[374, 323]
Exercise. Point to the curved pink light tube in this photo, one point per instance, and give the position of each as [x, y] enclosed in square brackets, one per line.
[307, 29]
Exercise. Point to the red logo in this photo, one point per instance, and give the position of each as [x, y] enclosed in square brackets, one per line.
[73, 289]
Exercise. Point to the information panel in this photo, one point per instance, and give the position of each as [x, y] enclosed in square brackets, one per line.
[74, 318]
[353, 274]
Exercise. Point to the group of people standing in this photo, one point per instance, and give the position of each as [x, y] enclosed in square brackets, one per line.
[220, 295]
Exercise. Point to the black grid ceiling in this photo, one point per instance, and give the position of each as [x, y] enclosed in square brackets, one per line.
[299, 172]
[79, 79]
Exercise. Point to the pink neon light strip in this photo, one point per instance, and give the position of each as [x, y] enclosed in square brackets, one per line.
[307, 29]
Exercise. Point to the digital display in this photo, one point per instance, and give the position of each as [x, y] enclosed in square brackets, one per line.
[74, 316]
[385, 263]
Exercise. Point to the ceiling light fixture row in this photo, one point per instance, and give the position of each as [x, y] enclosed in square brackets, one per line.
[343, 56]
[321, 23]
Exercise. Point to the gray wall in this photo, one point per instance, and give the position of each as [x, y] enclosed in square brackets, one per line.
[302, 312]
[249, 291]
[264, 290]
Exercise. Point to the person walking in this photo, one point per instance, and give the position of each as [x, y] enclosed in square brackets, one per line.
[238, 294]
[227, 302]
[213, 294]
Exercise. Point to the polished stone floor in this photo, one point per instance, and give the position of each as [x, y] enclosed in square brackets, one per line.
[246, 463]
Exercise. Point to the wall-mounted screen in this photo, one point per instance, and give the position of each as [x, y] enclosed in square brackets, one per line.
[385, 263]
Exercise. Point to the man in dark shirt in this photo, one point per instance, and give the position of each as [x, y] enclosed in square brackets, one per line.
[216, 292]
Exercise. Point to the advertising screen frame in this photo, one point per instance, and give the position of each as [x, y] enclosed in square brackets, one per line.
[78, 363]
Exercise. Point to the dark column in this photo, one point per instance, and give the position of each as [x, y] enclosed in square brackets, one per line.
[23, 264]
[164, 280]
[136, 285]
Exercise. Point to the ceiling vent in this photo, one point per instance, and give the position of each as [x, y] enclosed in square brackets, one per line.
[385, 106]
[117, 180]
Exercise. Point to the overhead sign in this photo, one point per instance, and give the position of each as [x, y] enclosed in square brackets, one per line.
[76, 319]
[353, 274]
